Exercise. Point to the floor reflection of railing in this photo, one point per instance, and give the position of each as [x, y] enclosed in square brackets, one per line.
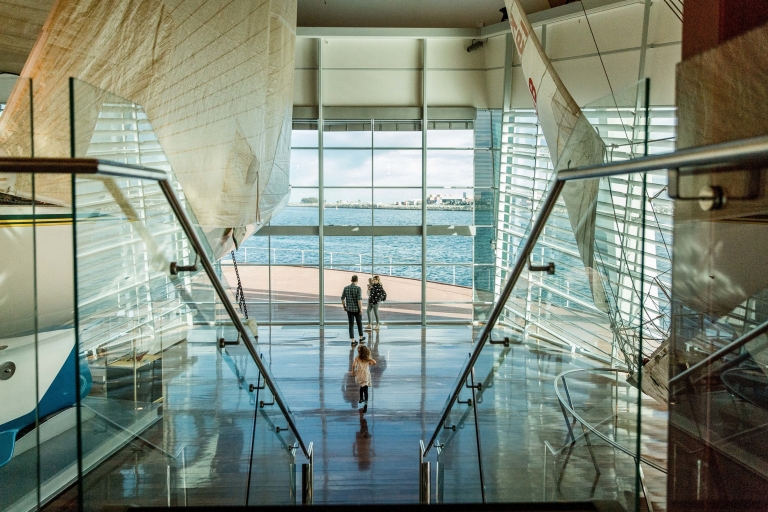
[567, 405]
[585, 424]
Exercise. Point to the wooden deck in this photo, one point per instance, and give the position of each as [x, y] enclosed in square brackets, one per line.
[295, 295]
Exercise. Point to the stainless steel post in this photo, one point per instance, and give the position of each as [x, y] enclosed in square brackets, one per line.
[424, 487]
[424, 474]
[321, 183]
[307, 478]
[424, 127]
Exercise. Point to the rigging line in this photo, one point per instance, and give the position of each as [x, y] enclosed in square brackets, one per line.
[613, 95]
[622, 239]
[674, 10]
[656, 218]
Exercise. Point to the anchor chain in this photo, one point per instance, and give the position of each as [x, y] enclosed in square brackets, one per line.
[239, 295]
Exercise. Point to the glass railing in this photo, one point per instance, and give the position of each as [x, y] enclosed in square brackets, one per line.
[506, 406]
[127, 376]
[561, 424]
[137, 384]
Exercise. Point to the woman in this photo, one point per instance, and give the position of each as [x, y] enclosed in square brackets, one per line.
[376, 294]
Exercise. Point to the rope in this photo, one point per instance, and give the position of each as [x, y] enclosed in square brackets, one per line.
[613, 95]
[239, 295]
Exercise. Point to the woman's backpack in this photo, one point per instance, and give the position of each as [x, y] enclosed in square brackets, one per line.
[383, 295]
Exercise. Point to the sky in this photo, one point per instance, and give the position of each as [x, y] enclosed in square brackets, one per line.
[350, 161]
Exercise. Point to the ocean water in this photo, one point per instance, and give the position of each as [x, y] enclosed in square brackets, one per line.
[449, 258]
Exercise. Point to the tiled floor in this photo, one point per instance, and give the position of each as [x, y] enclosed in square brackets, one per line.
[371, 455]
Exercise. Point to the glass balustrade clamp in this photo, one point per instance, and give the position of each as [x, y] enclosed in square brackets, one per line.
[549, 268]
[175, 268]
[504, 341]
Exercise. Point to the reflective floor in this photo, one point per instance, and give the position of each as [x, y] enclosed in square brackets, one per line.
[370, 454]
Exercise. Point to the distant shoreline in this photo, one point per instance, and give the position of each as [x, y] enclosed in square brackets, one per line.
[368, 206]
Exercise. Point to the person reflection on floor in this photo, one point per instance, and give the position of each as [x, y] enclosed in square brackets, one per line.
[381, 361]
[350, 388]
[361, 448]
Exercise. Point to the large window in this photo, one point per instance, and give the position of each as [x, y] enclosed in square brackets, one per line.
[372, 183]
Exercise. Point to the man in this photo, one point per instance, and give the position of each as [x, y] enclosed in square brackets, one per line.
[352, 302]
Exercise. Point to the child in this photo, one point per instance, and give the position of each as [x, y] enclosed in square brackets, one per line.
[361, 370]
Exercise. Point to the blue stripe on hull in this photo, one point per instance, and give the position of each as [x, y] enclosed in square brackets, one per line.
[60, 395]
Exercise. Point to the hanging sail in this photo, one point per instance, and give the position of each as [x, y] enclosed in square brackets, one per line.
[571, 139]
[215, 80]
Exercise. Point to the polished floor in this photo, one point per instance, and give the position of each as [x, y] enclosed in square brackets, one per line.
[370, 454]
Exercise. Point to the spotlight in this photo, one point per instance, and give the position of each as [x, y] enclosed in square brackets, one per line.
[476, 45]
[504, 15]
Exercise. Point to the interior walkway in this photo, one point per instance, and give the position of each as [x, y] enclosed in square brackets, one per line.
[371, 456]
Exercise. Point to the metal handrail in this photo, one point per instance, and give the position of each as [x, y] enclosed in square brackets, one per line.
[98, 167]
[591, 428]
[737, 343]
[734, 152]
[165, 185]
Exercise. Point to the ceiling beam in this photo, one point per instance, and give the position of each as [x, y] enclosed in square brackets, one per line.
[554, 15]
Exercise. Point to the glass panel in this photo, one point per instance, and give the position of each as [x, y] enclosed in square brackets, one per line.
[303, 138]
[397, 207]
[458, 475]
[450, 168]
[446, 313]
[294, 250]
[717, 411]
[484, 279]
[598, 307]
[304, 168]
[450, 207]
[254, 250]
[152, 337]
[564, 318]
[39, 361]
[397, 168]
[112, 128]
[347, 134]
[256, 281]
[397, 312]
[403, 288]
[449, 283]
[397, 139]
[347, 168]
[16, 113]
[457, 138]
[302, 209]
[348, 207]
[396, 249]
[295, 293]
[483, 242]
[449, 249]
[335, 280]
[485, 202]
[347, 251]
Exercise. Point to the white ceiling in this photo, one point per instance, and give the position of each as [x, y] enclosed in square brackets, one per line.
[406, 13]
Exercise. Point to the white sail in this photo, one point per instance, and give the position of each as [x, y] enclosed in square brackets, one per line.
[571, 139]
[216, 82]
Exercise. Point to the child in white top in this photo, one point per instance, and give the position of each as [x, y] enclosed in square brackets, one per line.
[362, 371]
